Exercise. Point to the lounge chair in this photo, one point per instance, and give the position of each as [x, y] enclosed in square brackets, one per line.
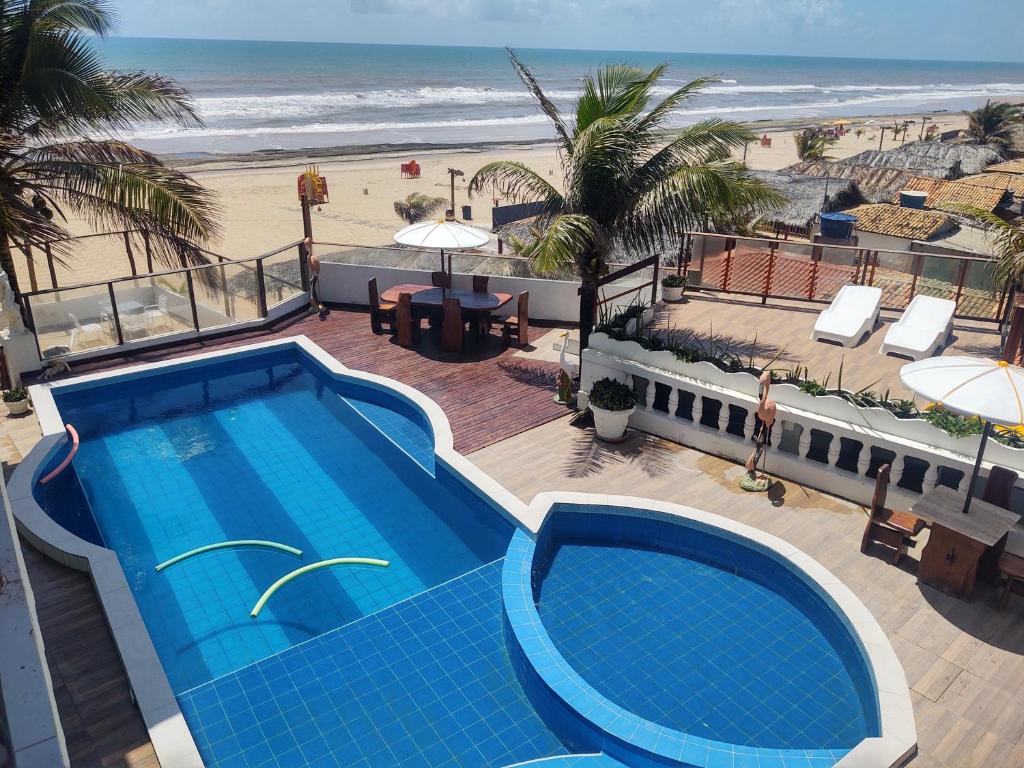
[852, 313]
[922, 329]
[518, 325]
[894, 529]
[83, 331]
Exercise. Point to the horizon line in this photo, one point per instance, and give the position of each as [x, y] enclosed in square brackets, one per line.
[573, 50]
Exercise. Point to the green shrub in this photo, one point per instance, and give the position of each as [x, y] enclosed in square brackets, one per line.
[15, 394]
[812, 388]
[611, 395]
[673, 281]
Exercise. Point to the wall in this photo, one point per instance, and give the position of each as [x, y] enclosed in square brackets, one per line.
[551, 300]
[823, 442]
[34, 729]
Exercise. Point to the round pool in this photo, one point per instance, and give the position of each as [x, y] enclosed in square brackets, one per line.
[637, 632]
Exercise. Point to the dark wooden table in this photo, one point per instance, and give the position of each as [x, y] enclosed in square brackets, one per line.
[478, 305]
[957, 541]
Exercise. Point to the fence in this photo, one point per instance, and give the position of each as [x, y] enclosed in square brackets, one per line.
[164, 305]
[772, 268]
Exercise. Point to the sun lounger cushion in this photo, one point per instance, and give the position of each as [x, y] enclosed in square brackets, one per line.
[922, 329]
[852, 313]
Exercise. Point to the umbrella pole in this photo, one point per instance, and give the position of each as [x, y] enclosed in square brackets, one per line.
[977, 466]
[444, 291]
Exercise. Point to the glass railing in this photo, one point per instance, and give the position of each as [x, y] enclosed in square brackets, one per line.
[784, 269]
[110, 313]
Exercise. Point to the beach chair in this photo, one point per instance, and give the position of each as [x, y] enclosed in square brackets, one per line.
[407, 326]
[380, 312]
[922, 329]
[452, 326]
[518, 325]
[157, 315]
[852, 313]
[82, 331]
[894, 529]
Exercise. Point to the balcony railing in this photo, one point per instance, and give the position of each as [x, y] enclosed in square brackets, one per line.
[781, 269]
[164, 305]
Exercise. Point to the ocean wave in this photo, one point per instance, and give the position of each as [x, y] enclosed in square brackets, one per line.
[171, 132]
[313, 104]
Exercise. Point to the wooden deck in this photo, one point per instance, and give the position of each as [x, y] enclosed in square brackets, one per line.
[964, 661]
[489, 392]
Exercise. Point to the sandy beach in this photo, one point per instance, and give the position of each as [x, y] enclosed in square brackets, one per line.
[261, 211]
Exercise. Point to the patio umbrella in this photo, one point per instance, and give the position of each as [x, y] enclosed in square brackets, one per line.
[444, 235]
[992, 390]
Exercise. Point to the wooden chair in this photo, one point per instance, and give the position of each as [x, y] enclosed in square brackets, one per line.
[480, 283]
[518, 325]
[452, 327]
[380, 311]
[999, 487]
[894, 529]
[440, 280]
[407, 326]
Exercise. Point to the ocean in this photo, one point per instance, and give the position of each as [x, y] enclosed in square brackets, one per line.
[273, 95]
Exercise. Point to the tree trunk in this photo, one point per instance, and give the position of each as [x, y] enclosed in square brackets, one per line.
[1013, 351]
[590, 268]
[7, 265]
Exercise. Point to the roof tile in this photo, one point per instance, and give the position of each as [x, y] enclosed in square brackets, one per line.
[910, 223]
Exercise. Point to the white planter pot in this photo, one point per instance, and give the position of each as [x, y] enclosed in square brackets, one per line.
[611, 425]
[18, 407]
[671, 294]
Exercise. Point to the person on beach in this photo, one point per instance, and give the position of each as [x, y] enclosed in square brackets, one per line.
[313, 265]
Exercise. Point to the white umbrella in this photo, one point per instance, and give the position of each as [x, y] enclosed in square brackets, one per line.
[992, 390]
[444, 235]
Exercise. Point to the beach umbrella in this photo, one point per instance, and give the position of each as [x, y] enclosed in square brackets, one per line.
[443, 235]
[992, 390]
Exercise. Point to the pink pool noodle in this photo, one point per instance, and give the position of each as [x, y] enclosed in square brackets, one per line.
[73, 435]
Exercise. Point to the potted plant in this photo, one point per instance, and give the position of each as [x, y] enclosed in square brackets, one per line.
[16, 400]
[612, 403]
[672, 287]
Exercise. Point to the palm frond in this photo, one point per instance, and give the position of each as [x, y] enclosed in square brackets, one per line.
[566, 240]
[546, 105]
[516, 181]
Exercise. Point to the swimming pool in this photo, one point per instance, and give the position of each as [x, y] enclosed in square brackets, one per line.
[266, 447]
[499, 633]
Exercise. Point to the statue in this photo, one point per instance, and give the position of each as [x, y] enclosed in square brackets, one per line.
[566, 373]
[762, 437]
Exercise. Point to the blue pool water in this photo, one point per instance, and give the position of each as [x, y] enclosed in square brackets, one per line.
[701, 634]
[266, 447]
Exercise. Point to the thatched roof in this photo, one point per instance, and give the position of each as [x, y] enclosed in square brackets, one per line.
[805, 196]
[909, 223]
[931, 158]
[948, 195]
[876, 184]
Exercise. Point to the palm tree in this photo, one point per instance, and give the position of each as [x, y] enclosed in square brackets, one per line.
[59, 113]
[812, 144]
[625, 181]
[1008, 269]
[991, 124]
[419, 206]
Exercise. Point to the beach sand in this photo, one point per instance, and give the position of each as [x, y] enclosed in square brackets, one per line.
[261, 209]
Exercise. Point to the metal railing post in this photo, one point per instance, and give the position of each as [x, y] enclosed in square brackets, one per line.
[772, 254]
[261, 289]
[192, 299]
[917, 269]
[730, 244]
[116, 316]
[960, 282]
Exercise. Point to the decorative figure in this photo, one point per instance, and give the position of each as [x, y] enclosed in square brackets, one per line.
[10, 315]
[762, 437]
[567, 372]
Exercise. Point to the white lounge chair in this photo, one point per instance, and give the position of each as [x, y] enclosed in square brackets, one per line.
[852, 313]
[922, 329]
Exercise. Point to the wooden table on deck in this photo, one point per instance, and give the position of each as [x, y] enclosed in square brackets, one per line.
[479, 304]
[957, 541]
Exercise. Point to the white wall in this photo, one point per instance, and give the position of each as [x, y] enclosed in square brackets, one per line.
[551, 300]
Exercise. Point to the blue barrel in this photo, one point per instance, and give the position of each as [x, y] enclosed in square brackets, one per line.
[837, 225]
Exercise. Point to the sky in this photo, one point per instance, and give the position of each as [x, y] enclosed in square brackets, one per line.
[977, 30]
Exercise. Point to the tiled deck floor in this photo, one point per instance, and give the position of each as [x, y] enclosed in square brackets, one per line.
[783, 329]
[964, 661]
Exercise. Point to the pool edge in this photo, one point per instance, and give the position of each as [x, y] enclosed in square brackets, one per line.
[898, 741]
